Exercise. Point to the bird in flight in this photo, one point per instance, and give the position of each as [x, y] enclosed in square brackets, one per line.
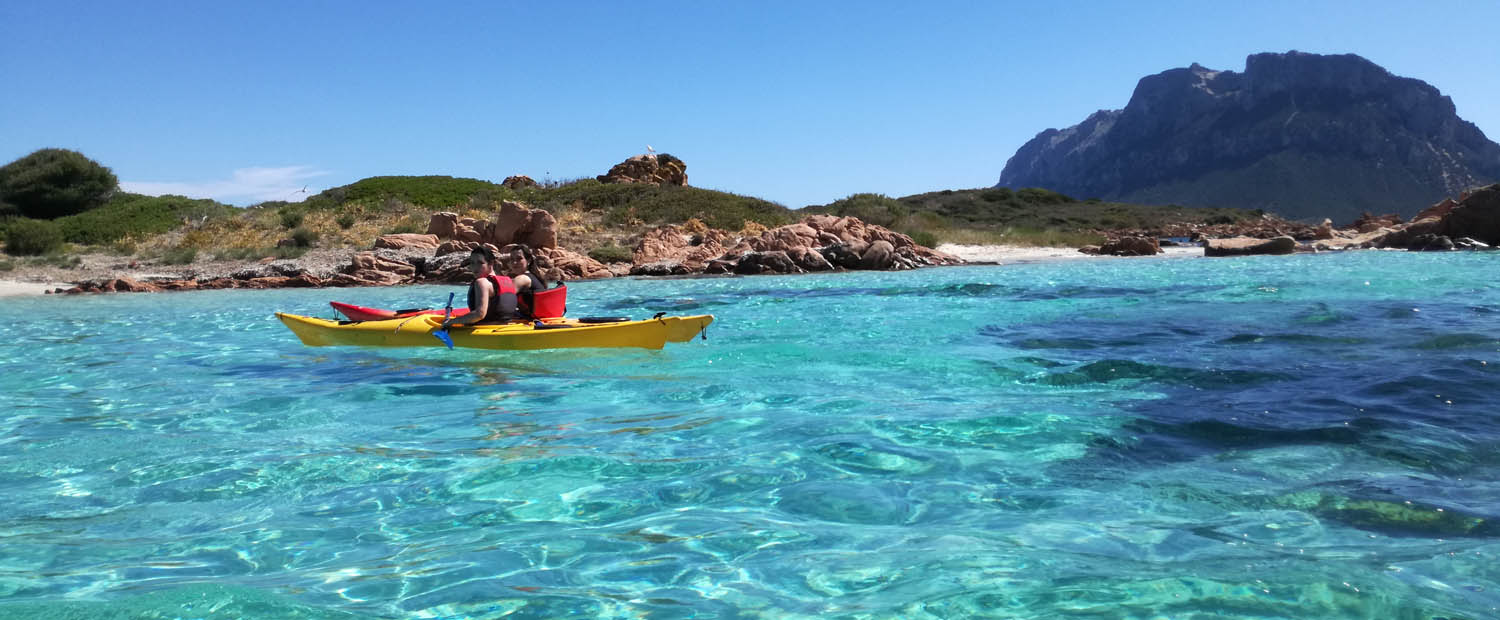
[649, 149]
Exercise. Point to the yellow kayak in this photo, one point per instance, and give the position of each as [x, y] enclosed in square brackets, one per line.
[418, 331]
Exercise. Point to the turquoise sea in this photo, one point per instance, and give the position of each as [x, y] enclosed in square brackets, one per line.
[1267, 437]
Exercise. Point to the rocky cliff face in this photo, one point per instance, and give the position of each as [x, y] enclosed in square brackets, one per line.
[1301, 135]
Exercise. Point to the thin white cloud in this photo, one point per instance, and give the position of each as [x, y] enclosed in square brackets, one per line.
[245, 186]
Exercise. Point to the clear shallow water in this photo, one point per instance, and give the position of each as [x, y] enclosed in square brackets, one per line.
[1287, 437]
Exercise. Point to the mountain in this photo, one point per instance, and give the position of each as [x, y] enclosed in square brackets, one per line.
[1302, 135]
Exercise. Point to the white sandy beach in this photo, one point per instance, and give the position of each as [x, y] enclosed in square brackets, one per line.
[15, 288]
[1013, 254]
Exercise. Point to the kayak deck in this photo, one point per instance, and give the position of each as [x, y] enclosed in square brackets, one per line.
[417, 331]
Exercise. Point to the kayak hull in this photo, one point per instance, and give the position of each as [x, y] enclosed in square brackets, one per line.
[417, 331]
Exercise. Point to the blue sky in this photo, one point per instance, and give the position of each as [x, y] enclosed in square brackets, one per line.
[796, 102]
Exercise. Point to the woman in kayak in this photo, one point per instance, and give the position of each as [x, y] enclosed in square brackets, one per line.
[492, 297]
[520, 265]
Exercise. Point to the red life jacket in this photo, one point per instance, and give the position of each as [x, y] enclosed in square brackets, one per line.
[502, 302]
[546, 304]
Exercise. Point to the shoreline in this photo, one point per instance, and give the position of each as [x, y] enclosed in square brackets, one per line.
[42, 281]
[1017, 255]
[21, 288]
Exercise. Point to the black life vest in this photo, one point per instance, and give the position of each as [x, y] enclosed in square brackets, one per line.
[503, 302]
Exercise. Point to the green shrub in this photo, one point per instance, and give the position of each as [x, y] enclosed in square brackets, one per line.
[407, 225]
[432, 192]
[612, 254]
[62, 261]
[285, 252]
[877, 209]
[134, 214]
[7, 265]
[304, 238]
[179, 256]
[291, 217]
[26, 237]
[924, 238]
[1038, 195]
[345, 220]
[241, 253]
[51, 183]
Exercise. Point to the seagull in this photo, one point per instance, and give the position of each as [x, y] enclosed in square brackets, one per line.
[649, 149]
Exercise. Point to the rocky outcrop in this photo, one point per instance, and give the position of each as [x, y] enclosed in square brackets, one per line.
[513, 223]
[519, 181]
[561, 264]
[1367, 222]
[692, 249]
[1302, 135]
[1130, 246]
[407, 241]
[652, 168]
[1476, 215]
[1246, 246]
[817, 243]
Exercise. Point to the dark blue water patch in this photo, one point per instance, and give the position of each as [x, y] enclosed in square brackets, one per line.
[1111, 370]
[1095, 334]
[1321, 313]
[659, 304]
[1459, 341]
[1293, 339]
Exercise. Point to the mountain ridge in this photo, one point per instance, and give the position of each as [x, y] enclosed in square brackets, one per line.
[1301, 135]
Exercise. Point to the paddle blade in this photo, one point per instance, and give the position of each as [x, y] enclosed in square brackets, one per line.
[443, 336]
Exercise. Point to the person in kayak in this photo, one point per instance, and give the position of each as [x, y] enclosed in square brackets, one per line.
[520, 265]
[492, 297]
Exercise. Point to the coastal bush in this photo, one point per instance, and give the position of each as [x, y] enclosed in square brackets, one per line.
[7, 265]
[286, 252]
[611, 254]
[28, 237]
[877, 209]
[667, 204]
[924, 238]
[179, 256]
[56, 259]
[432, 192]
[304, 238]
[135, 214]
[999, 209]
[1037, 195]
[291, 217]
[51, 183]
[407, 225]
[619, 203]
[345, 220]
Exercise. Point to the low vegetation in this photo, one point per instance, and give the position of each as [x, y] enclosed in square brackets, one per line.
[600, 219]
[1030, 216]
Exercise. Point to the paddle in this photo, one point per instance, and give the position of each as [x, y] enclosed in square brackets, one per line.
[442, 334]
